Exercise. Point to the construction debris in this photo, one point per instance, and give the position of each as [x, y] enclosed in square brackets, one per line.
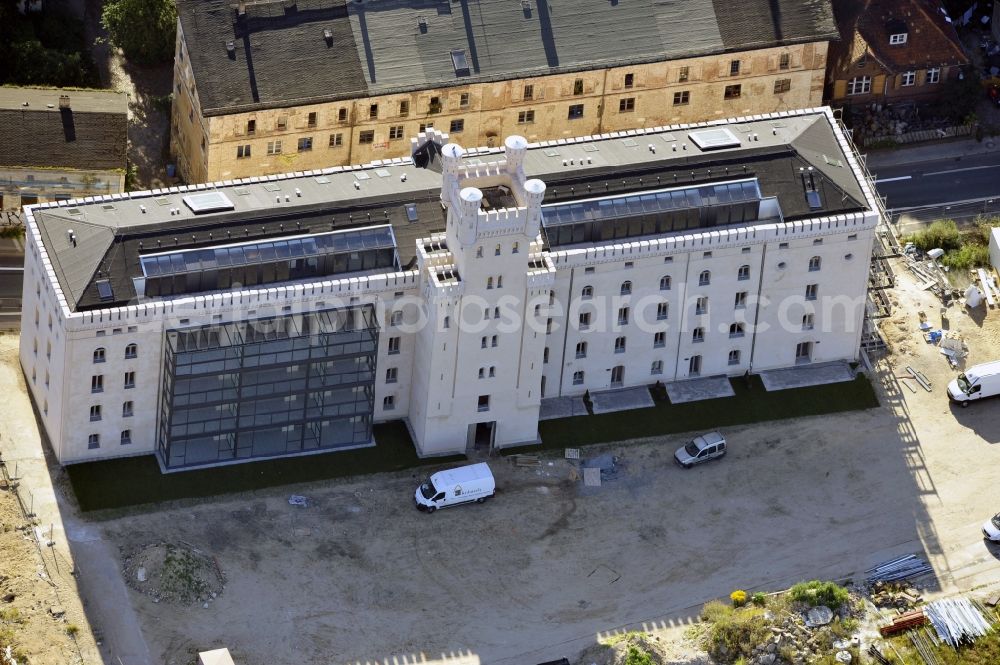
[957, 620]
[907, 566]
[527, 460]
[921, 379]
[903, 623]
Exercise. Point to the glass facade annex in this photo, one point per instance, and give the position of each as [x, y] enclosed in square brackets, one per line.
[651, 213]
[267, 262]
[268, 387]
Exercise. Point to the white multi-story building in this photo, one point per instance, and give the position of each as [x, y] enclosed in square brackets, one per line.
[454, 290]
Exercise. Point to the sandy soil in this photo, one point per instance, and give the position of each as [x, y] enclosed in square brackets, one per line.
[30, 608]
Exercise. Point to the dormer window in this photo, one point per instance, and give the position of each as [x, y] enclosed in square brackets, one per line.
[897, 39]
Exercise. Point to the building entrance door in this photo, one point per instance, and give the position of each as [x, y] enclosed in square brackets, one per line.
[481, 437]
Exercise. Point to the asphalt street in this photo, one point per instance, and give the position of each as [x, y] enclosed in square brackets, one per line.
[940, 181]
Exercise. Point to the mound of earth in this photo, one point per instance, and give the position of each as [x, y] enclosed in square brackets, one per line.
[177, 573]
[617, 653]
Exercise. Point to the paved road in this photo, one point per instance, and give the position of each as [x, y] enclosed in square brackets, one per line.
[940, 181]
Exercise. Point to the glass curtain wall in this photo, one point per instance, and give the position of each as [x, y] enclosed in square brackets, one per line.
[268, 387]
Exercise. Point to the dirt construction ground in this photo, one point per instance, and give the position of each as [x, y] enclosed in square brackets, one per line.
[548, 567]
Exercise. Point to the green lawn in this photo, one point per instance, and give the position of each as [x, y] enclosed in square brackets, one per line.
[136, 480]
[750, 405]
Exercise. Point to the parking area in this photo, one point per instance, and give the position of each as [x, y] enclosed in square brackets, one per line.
[539, 572]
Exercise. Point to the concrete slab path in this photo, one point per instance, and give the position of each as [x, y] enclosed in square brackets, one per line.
[695, 390]
[622, 400]
[806, 375]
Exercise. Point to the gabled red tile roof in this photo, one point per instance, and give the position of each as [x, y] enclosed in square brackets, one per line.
[931, 39]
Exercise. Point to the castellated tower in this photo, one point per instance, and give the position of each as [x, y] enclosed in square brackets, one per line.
[477, 375]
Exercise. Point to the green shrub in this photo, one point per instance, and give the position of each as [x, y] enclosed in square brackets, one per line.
[820, 593]
[637, 656]
[72, 629]
[759, 599]
[969, 256]
[714, 611]
[735, 635]
[943, 234]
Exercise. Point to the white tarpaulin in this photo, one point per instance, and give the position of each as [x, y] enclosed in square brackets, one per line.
[973, 298]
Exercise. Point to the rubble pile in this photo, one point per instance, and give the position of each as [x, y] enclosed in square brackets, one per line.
[175, 573]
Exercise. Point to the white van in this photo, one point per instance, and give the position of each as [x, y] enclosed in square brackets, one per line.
[976, 383]
[456, 486]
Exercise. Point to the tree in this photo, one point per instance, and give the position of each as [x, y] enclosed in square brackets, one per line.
[144, 30]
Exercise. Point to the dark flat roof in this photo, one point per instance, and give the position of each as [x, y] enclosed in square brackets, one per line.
[281, 56]
[111, 234]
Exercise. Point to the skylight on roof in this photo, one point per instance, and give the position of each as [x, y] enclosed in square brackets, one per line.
[714, 139]
[460, 62]
[208, 202]
[104, 290]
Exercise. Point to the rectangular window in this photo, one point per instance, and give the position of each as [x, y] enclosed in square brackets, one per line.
[242, 151]
[701, 305]
[659, 340]
[336, 140]
[908, 78]
[808, 320]
[682, 74]
[623, 316]
[578, 87]
[933, 75]
[126, 437]
[734, 357]
[342, 115]
[811, 291]
[127, 409]
[698, 335]
[584, 320]
[130, 379]
[251, 127]
[859, 85]
[391, 375]
[733, 91]
[529, 92]
[395, 132]
[396, 318]
[97, 383]
[681, 98]
[435, 105]
[93, 441]
[367, 136]
[741, 300]
[98, 355]
[897, 39]
[424, 126]
[404, 108]
[784, 61]
[389, 403]
[463, 99]
[581, 349]
[274, 147]
[734, 67]
[656, 367]
[311, 120]
[620, 345]
[457, 126]
[626, 105]
[575, 111]
[662, 310]
[281, 123]
[484, 403]
[95, 412]
[373, 111]
[393, 345]
[782, 85]
[305, 144]
[577, 378]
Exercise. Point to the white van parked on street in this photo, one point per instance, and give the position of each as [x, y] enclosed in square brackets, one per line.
[975, 383]
[456, 486]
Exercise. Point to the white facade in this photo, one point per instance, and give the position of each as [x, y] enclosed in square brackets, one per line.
[488, 322]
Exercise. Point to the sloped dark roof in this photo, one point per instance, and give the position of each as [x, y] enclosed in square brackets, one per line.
[111, 235]
[281, 56]
[35, 131]
[865, 27]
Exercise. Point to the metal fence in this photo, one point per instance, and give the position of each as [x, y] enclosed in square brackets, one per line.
[923, 135]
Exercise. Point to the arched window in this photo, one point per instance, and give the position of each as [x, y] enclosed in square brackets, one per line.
[626, 287]
[814, 263]
[99, 354]
[581, 349]
[744, 273]
[705, 278]
[131, 351]
[665, 283]
[736, 330]
[587, 292]
[489, 282]
[500, 281]
[447, 322]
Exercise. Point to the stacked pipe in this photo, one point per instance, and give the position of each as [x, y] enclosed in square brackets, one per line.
[957, 620]
[901, 568]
